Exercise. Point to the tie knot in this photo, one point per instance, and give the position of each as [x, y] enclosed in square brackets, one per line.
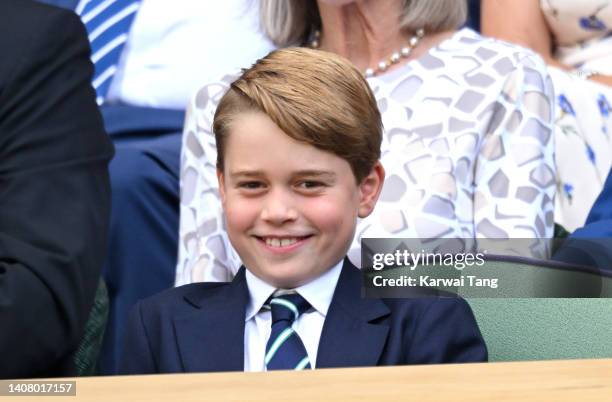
[288, 307]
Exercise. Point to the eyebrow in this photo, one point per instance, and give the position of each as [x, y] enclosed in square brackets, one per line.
[300, 173]
[246, 173]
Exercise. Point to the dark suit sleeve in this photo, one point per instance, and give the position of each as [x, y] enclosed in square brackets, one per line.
[449, 331]
[137, 356]
[54, 189]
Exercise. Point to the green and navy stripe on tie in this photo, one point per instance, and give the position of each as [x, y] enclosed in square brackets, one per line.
[108, 23]
[285, 350]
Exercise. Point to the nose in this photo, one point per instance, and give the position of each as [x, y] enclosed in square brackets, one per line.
[279, 207]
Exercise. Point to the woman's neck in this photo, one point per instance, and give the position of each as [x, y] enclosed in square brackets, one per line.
[368, 31]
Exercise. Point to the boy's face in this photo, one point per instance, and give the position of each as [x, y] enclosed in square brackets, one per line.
[290, 208]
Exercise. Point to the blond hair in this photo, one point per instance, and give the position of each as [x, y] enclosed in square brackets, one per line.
[314, 97]
[290, 22]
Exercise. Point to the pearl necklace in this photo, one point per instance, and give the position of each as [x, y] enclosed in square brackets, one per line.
[383, 65]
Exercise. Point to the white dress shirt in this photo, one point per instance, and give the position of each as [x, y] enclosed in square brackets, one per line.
[175, 47]
[258, 321]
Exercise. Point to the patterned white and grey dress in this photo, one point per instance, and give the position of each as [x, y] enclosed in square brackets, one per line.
[468, 150]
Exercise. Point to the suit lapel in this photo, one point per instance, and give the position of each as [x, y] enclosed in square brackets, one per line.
[212, 338]
[349, 339]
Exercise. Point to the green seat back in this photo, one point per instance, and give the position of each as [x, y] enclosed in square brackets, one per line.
[544, 329]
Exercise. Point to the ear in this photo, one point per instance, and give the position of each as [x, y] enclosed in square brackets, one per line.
[221, 180]
[370, 189]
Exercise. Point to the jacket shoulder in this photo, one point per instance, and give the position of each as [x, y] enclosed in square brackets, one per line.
[417, 311]
[182, 299]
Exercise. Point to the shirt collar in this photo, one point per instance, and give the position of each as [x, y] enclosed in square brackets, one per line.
[259, 292]
[318, 292]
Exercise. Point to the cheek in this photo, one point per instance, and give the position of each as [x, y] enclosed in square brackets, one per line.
[331, 215]
[239, 216]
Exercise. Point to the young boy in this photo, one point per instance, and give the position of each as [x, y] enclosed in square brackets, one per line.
[298, 138]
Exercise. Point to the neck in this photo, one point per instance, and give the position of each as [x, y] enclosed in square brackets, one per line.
[368, 31]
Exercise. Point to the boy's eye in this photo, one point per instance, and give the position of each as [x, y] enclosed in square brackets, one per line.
[250, 185]
[310, 184]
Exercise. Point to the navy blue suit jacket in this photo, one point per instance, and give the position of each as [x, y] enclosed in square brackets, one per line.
[200, 328]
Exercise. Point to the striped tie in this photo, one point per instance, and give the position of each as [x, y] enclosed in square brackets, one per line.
[108, 23]
[285, 350]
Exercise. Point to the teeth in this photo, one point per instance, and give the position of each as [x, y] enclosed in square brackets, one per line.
[276, 242]
[286, 242]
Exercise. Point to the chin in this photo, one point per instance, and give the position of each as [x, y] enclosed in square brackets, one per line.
[286, 282]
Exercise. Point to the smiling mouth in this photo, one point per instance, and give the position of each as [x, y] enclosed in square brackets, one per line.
[282, 242]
